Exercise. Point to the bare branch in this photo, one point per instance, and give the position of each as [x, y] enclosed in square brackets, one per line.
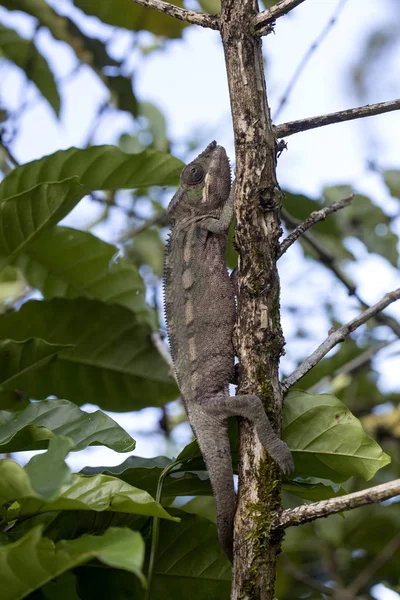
[374, 566]
[337, 336]
[315, 217]
[290, 568]
[328, 260]
[354, 364]
[286, 129]
[189, 16]
[130, 233]
[305, 59]
[264, 20]
[317, 510]
[9, 155]
[163, 350]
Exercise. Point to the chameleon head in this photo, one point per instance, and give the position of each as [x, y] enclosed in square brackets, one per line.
[205, 184]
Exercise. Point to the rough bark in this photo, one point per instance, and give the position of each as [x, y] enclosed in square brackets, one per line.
[259, 336]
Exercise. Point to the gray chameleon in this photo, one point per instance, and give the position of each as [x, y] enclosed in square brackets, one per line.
[200, 315]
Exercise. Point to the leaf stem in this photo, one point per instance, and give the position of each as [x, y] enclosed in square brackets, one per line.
[156, 526]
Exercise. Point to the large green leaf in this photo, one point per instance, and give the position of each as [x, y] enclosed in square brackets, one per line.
[99, 493]
[190, 562]
[97, 168]
[392, 180]
[24, 216]
[25, 55]
[48, 472]
[31, 428]
[124, 13]
[326, 440]
[69, 263]
[18, 358]
[32, 561]
[113, 363]
[145, 473]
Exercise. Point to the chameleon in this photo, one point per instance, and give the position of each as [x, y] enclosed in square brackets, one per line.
[200, 314]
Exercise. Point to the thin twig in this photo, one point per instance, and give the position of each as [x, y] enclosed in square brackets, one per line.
[163, 350]
[303, 62]
[315, 217]
[317, 510]
[374, 566]
[328, 260]
[337, 336]
[9, 155]
[286, 129]
[130, 233]
[189, 16]
[265, 19]
[290, 568]
[354, 364]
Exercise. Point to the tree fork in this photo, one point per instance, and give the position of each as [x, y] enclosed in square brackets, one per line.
[260, 341]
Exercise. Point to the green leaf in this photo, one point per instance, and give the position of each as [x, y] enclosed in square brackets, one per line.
[145, 473]
[24, 216]
[69, 263]
[212, 7]
[190, 562]
[327, 232]
[123, 13]
[147, 248]
[123, 96]
[12, 283]
[366, 222]
[93, 50]
[313, 491]
[157, 125]
[48, 472]
[18, 358]
[97, 168]
[392, 180]
[26, 56]
[326, 440]
[32, 561]
[113, 364]
[99, 493]
[31, 428]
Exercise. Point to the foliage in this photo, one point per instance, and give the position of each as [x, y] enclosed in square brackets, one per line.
[76, 327]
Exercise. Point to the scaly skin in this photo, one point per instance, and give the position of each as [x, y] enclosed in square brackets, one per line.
[200, 316]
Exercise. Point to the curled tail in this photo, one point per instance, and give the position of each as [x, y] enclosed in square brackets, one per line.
[212, 436]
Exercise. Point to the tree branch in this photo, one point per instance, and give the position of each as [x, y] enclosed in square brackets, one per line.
[337, 336]
[189, 16]
[374, 566]
[286, 129]
[328, 260]
[265, 19]
[354, 364]
[9, 155]
[317, 510]
[307, 56]
[130, 233]
[291, 569]
[315, 217]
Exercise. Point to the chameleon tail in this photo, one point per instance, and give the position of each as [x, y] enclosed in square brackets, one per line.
[215, 448]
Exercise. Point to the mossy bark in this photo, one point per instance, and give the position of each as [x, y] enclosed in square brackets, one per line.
[259, 334]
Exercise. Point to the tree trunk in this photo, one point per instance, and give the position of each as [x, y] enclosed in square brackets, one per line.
[259, 336]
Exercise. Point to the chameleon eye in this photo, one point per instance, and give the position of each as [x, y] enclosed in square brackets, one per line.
[193, 174]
